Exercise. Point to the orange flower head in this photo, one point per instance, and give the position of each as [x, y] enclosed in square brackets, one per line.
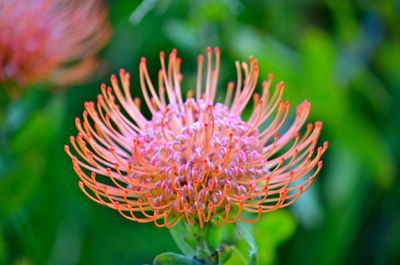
[54, 40]
[196, 159]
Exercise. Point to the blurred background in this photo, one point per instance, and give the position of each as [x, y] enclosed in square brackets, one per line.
[343, 56]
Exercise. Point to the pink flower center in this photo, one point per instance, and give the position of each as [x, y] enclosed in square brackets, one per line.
[197, 154]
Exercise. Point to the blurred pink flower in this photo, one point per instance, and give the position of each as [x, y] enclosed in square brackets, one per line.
[54, 40]
[195, 159]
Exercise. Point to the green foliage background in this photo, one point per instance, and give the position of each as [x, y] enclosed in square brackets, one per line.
[343, 56]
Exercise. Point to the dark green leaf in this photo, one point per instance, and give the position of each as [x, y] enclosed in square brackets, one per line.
[19, 181]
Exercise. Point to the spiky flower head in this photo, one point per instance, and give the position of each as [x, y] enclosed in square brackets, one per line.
[195, 159]
[54, 40]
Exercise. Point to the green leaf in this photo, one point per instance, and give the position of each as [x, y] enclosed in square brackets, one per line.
[278, 226]
[181, 33]
[245, 233]
[272, 230]
[169, 258]
[142, 10]
[236, 258]
[224, 253]
[180, 235]
[22, 158]
[39, 128]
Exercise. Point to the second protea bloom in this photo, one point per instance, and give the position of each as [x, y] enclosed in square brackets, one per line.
[195, 159]
[52, 40]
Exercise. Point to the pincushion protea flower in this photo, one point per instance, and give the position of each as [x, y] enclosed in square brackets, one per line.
[50, 39]
[195, 159]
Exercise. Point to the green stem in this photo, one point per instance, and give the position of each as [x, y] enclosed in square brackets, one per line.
[201, 244]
